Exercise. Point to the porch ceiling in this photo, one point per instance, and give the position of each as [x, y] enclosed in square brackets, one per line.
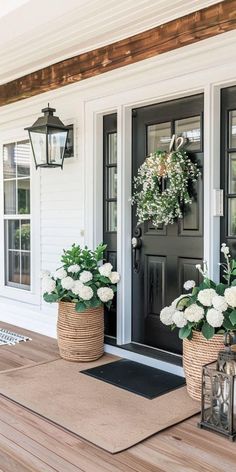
[35, 34]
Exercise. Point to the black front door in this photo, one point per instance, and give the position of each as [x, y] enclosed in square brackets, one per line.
[168, 255]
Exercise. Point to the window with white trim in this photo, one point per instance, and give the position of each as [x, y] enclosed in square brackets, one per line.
[17, 214]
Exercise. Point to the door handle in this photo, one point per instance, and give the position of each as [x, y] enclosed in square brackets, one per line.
[136, 246]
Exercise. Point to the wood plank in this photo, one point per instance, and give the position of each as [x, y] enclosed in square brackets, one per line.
[29, 443]
[197, 26]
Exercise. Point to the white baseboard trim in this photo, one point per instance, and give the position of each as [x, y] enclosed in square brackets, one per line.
[150, 361]
[22, 315]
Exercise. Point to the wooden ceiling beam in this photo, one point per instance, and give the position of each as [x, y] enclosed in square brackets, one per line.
[211, 21]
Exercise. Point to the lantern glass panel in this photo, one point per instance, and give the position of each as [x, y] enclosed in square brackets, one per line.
[38, 140]
[56, 146]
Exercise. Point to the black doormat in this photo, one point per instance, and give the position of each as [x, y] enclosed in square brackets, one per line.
[137, 378]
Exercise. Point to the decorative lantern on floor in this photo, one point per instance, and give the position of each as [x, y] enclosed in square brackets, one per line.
[48, 137]
[219, 393]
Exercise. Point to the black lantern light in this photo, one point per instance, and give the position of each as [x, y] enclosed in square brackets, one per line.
[48, 137]
[219, 393]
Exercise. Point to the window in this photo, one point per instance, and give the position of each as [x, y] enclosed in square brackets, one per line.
[17, 220]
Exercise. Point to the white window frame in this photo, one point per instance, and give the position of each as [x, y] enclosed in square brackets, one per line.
[31, 296]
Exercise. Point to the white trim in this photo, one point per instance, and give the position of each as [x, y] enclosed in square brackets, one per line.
[31, 296]
[150, 361]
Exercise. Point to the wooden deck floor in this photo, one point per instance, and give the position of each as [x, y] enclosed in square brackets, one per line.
[31, 444]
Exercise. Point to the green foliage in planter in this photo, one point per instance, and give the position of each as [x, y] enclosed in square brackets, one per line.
[83, 279]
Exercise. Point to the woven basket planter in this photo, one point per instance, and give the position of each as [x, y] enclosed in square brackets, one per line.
[80, 335]
[196, 353]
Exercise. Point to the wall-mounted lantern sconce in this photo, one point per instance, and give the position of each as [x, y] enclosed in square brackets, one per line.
[48, 137]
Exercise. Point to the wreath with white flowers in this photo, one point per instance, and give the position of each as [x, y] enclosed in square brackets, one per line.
[161, 188]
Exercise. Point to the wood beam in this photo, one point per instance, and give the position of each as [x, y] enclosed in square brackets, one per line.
[211, 21]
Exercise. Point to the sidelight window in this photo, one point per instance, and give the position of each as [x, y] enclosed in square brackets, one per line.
[17, 214]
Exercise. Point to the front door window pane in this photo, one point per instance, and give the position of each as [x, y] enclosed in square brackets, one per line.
[158, 137]
[112, 182]
[190, 129]
[111, 216]
[112, 148]
[232, 129]
[232, 217]
[232, 173]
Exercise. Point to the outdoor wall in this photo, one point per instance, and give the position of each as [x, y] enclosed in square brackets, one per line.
[66, 204]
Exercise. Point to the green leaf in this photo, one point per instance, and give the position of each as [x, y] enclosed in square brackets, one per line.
[234, 282]
[184, 332]
[104, 279]
[227, 324]
[232, 317]
[208, 331]
[234, 272]
[95, 302]
[220, 289]
[80, 307]
[50, 297]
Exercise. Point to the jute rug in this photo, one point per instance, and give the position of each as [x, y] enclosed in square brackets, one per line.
[109, 417]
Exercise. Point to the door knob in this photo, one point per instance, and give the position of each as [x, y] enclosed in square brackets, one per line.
[136, 243]
[136, 246]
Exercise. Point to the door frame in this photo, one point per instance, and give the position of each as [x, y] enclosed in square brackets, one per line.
[122, 103]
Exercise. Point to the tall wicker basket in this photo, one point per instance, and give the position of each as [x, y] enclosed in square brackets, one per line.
[80, 335]
[196, 353]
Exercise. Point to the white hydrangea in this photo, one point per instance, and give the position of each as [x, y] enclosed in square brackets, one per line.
[189, 284]
[105, 294]
[205, 296]
[214, 318]
[48, 285]
[166, 315]
[106, 269]
[86, 293]
[219, 303]
[194, 313]
[114, 277]
[230, 296]
[60, 273]
[179, 319]
[74, 268]
[67, 283]
[86, 276]
[224, 249]
[45, 273]
[76, 287]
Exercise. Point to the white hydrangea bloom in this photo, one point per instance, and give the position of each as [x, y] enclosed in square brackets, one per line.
[205, 296]
[48, 285]
[86, 293]
[67, 283]
[219, 303]
[45, 273]
[60, 273]
[114, 277]
[214, 318]
[86, 276]
[105, 294]
[73, 269]
[194, 313]
[106, 269]
[189, 284]
[166, 315]
[230, 296]
[224, 249]
[179, 319]
[76, 287]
